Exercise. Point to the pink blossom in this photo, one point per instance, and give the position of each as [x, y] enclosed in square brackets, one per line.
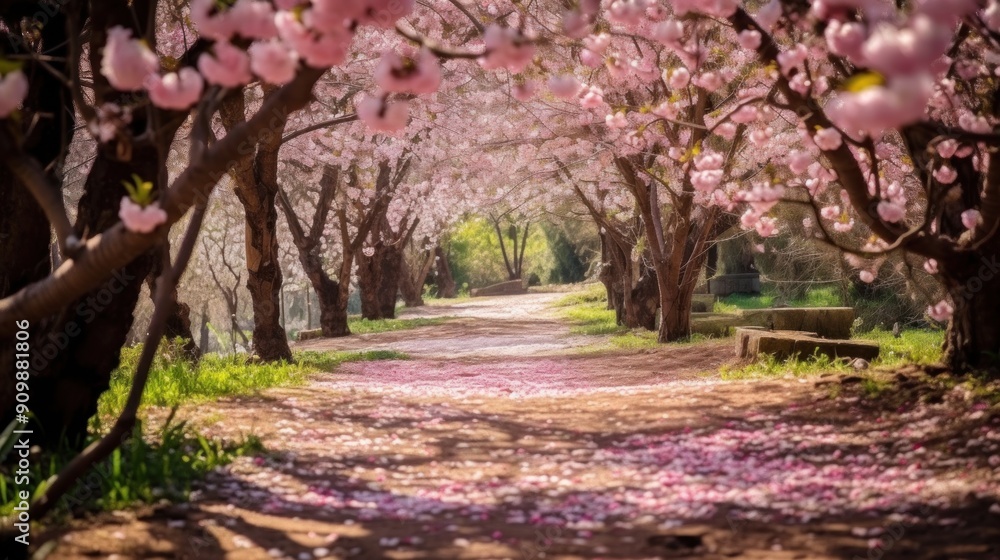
[891, 212]
[792, 58]
[913, 48]
[766, 226]
[845, 39]
[941, 311]
[591, 58]
[799, 161]
[210, 21]
[383, 116]
[971, 219]
[13, 90]
[597, 43]
[564, 87]
[253, 19]
[830, 212]
[319, 50]
[726, 130]
[761, 136]
[827, 139]
[709, 81]
[947, 148]
[768, 15]
[749, 39]
[109, 119]
[616, 120]
[507, 48]
[679, 78]
[627, 12]
[945, 175]
[226, 66]
[127, 62]
[745, 114]
[273, 61]
[867, 276]
[176, 90]
[931, 266]
[137, 219]
[593, 98]
[843, 226]
[669, 32]
[399, 74]
[878, 108]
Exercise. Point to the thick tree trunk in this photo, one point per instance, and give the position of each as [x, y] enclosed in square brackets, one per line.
[444, 280]
[378, 280]
[411, 284]
[644, 299]
[973, 337]
[332, 311]
[264, 272]
[257, 189]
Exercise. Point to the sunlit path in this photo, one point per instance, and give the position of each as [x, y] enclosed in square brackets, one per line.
[505, 440]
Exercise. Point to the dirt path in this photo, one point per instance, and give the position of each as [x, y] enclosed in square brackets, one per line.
[499, 438]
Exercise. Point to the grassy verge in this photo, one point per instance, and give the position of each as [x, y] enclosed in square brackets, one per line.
[364, 326]
[164, 465]
[587, 312]
[920, 347]
[173, 381]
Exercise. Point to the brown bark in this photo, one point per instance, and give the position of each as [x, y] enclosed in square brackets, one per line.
[255, 177]
[178, 322]
[446, 287]
[332, 310]
[378, 281]
[412, 278]
[973, 338]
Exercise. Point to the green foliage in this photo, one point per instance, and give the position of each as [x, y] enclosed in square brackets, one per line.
[591, 318]
[569, 266]
[173, 381]
[364, 326]
[163, 466]
[476, 260]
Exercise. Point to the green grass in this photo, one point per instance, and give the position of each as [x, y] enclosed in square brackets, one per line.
[919, 347]
[916, 346]
[364, 326]
[175, 381]
[588, 314]
[817, 297]
[594, 293]
[162, 466]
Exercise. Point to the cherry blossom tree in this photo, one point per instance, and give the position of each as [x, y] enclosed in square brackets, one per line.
[150, 85]
[897, 157]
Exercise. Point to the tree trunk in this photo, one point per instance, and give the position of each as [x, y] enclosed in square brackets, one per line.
[178, 325]
[205, 340]
[444, 280]
[378, 280]
[257, 189]
[264, 272]
[332, 310]
[644, 300]
[973, 338]
[410, 287]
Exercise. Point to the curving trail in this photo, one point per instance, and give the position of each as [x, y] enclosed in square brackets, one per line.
[504, 436]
